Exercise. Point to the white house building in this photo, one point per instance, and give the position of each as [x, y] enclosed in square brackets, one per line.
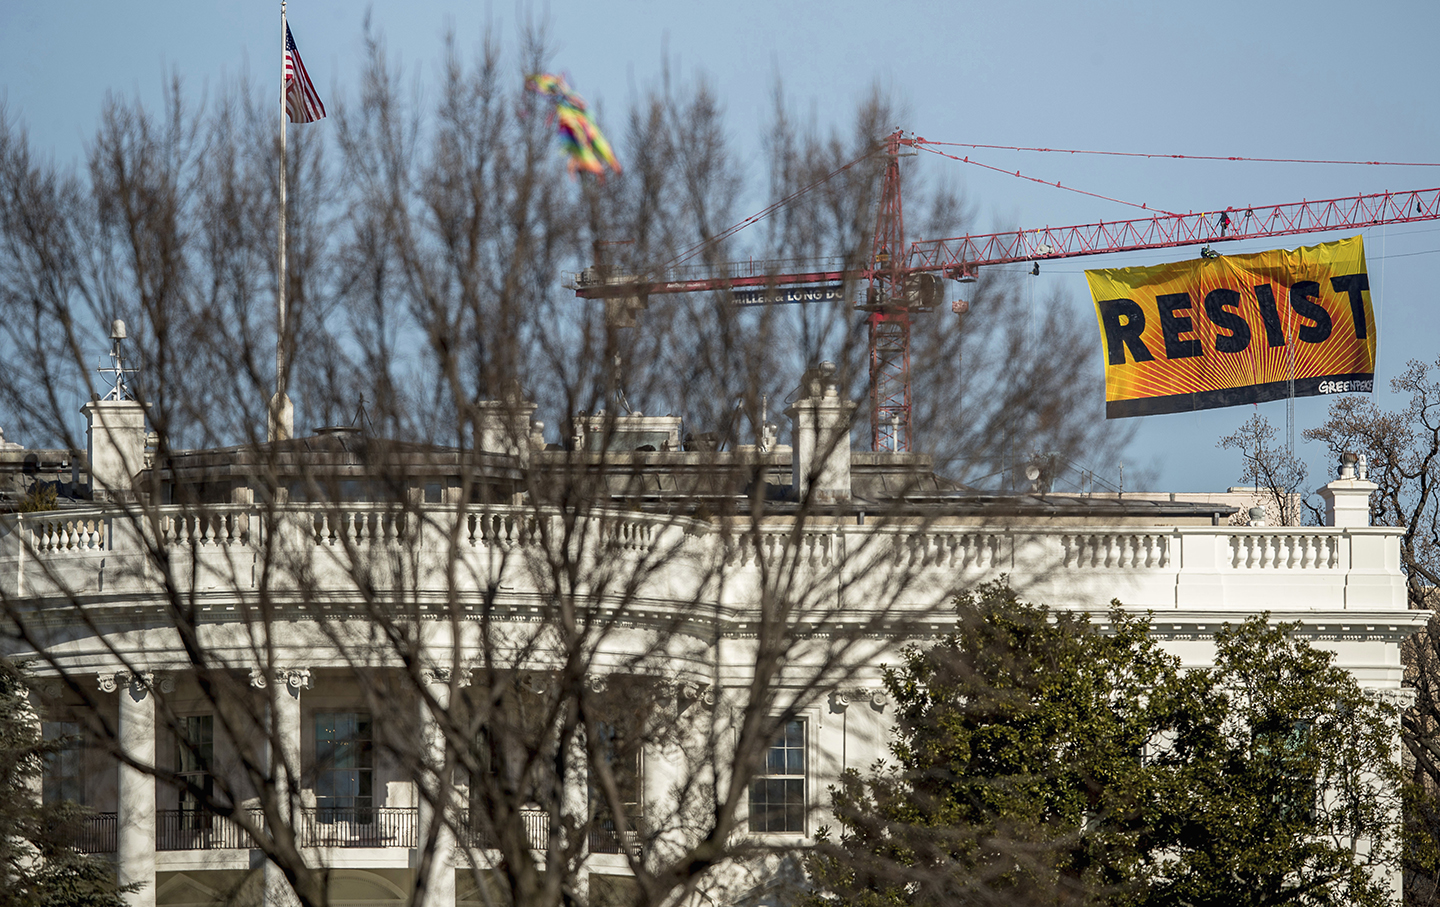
[202, 590]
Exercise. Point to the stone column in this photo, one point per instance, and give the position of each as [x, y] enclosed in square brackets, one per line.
[440, 886]
[283, 688]
[135, 821]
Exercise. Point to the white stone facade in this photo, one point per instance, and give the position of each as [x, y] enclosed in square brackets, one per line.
[88, 581]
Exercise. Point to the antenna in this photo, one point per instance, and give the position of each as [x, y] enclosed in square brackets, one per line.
[120, 388]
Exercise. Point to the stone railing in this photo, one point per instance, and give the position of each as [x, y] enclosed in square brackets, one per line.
[219, 548]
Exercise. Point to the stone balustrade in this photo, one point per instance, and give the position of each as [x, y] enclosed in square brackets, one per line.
[321, 547]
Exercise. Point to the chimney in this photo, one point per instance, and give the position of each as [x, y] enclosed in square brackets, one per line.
[821, 460]
[116, 447]
[1347, 499]
[503, 426]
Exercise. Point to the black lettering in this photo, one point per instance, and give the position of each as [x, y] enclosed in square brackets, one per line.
[1351, 285]
[1302, 299]
[1274, 333]
[1172, 326]
[1218, 304]
[1120, 334]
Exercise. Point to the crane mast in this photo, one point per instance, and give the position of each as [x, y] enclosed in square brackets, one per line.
[901, 281]
[889, 317]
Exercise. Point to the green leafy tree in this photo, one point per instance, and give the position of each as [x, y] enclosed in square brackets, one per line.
[1041, 760]
[40, 868]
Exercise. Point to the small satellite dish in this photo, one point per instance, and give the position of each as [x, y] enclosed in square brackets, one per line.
[1032, 472]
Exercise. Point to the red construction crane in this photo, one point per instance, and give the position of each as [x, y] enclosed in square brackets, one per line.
[902, 281]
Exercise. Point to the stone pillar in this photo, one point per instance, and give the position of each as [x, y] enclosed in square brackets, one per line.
[503, 426]
[1347, 499]
[820, 465]
[115, 448]
[135, 821]
[283, 688]
[440, 886]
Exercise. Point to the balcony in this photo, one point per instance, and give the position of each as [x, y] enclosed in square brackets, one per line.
[605, 839]
[537, 830]
[376, 826]
[97, 834]
[183, 829]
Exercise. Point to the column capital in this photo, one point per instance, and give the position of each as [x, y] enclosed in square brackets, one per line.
[1401, 698]
[440, 674]
[137, 681]
[296, 679]
[878, 698]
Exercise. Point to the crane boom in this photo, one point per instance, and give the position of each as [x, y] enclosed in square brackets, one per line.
[961, 255]
[895, 290]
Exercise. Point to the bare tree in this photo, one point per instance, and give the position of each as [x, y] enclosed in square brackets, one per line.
[484, 621]
[1275, 472]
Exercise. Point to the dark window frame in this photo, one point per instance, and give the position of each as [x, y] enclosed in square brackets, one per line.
[344, 766]
[64, 774]
[779, 793]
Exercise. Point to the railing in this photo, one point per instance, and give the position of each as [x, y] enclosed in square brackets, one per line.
[605, 839]
[537, 830]
[1146, 566]
[376, 826]
[48, 535]
[98, 834]
[1281, 549]
[360, 526]
[222, 526]
[185, 829]
[1116, 550]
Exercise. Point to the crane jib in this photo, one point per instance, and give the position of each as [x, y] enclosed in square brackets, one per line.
[774, 295]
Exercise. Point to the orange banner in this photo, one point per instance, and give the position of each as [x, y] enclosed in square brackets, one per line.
[1235, 329]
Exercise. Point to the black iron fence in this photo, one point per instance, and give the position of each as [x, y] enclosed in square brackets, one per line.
[605, 839]
[536, 822]
[188, 829]
[376, 826]
[97, 834]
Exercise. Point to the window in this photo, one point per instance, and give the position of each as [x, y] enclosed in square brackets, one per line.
[345, 763]
[623, 756]
[194, 754]
[777, 797]
[63, 780]
[1285, 752]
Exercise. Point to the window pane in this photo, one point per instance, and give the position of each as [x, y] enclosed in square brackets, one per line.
[62, 776]
[344, 755]
[777, 798]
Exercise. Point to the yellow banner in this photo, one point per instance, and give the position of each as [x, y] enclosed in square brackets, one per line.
[1235, 329]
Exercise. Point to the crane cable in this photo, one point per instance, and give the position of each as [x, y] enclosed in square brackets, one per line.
[922, 144]
[687, 254]
[1189, 157]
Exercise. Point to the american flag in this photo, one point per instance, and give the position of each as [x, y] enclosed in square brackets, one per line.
[302, 103]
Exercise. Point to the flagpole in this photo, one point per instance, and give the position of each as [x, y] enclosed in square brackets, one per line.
[282, 411]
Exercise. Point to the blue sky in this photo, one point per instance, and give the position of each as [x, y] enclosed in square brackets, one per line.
[1316, 80]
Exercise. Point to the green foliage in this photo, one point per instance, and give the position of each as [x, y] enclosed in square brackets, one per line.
[38, 868]
[1039, 760]
[41, 497]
